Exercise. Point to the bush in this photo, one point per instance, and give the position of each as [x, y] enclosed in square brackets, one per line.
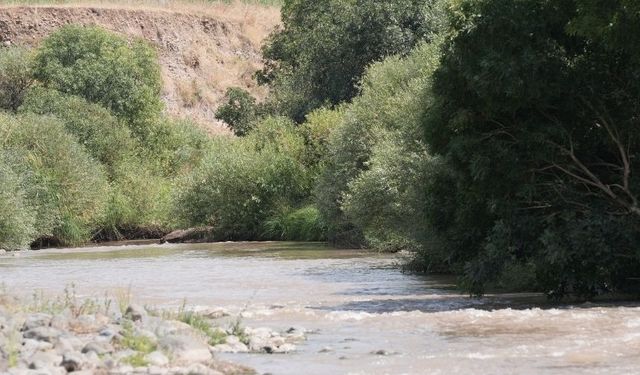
[68, 187]
[15, 76]
[302, 224]
[238, 186]
[369, 192]
[239, 111]
[105, 138]
[138, 206]
[103, 68]
[316, 131]
[173, 146]
[17, 215]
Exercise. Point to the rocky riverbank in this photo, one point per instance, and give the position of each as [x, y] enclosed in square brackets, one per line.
[97, 337]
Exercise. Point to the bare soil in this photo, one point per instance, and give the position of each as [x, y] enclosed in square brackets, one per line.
[202, 51]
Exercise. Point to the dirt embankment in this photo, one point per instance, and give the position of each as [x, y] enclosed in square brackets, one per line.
[202, 52]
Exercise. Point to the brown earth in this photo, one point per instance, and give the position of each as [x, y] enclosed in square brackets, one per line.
[202, 51]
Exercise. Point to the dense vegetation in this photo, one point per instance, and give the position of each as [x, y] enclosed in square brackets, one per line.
[497, 143]
[494, 139]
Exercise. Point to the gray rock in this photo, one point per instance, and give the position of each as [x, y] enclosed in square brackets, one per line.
[36, 320]
[214, 313]
[44, 360]
[60, 321]
[200, 369]
[185, 349]
[32, 346]
[47, 334]
[122, 354]
[157, 359]
[157, 370]
[88, 323]
[121, 370]
[72, 361]
[109, 332]
[135, 313]
[68, 344]
[164, 328]
[100, 348]
[230, 348]
[284, 348]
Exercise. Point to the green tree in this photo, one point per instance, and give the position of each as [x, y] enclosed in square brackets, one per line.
[370, 190]
[239, 111]
[321, 51]
[534, 118]
[103, 68]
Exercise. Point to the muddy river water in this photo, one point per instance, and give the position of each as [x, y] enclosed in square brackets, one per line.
[365, 315]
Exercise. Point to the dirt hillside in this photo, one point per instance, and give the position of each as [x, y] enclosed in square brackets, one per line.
[202, 52]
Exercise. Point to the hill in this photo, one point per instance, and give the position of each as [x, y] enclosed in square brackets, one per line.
[203, 48]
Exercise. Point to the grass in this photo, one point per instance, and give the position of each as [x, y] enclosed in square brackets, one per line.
[214, 335]
[69, 300]
[139, 343]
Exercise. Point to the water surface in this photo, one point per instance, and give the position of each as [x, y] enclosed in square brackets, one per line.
[356, 302]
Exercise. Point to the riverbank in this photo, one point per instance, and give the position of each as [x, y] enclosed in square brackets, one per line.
[111, 336]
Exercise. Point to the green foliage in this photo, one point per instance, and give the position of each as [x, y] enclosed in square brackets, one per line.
[536, 138]
[17, 215]
[324, 47]
[239, 111]
[215, 335]
[316, 131]
[138, 205]
[68, 188]
[103, 136]
[131, 340]
[241, 182]
[173, 146]
[103, 68]
[303, 224]
[15, 76]
[375, 163]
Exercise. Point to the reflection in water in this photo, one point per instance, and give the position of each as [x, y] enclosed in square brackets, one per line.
[357, 302]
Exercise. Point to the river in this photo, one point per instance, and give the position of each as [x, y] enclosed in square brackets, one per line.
[365, 315]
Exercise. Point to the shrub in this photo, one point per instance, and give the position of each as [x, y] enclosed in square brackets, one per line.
[376, 161]
[68, 188]
[316, 131]
[173, 146]
[15, 76]
[238, 186]
[103, 68]
[239, 111]
[138, 204]
[105, 138]
[17, 215]
[302, 224]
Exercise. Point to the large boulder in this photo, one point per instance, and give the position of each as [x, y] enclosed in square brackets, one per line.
[185, 349]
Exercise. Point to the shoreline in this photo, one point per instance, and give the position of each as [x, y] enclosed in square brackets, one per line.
[114, 336]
